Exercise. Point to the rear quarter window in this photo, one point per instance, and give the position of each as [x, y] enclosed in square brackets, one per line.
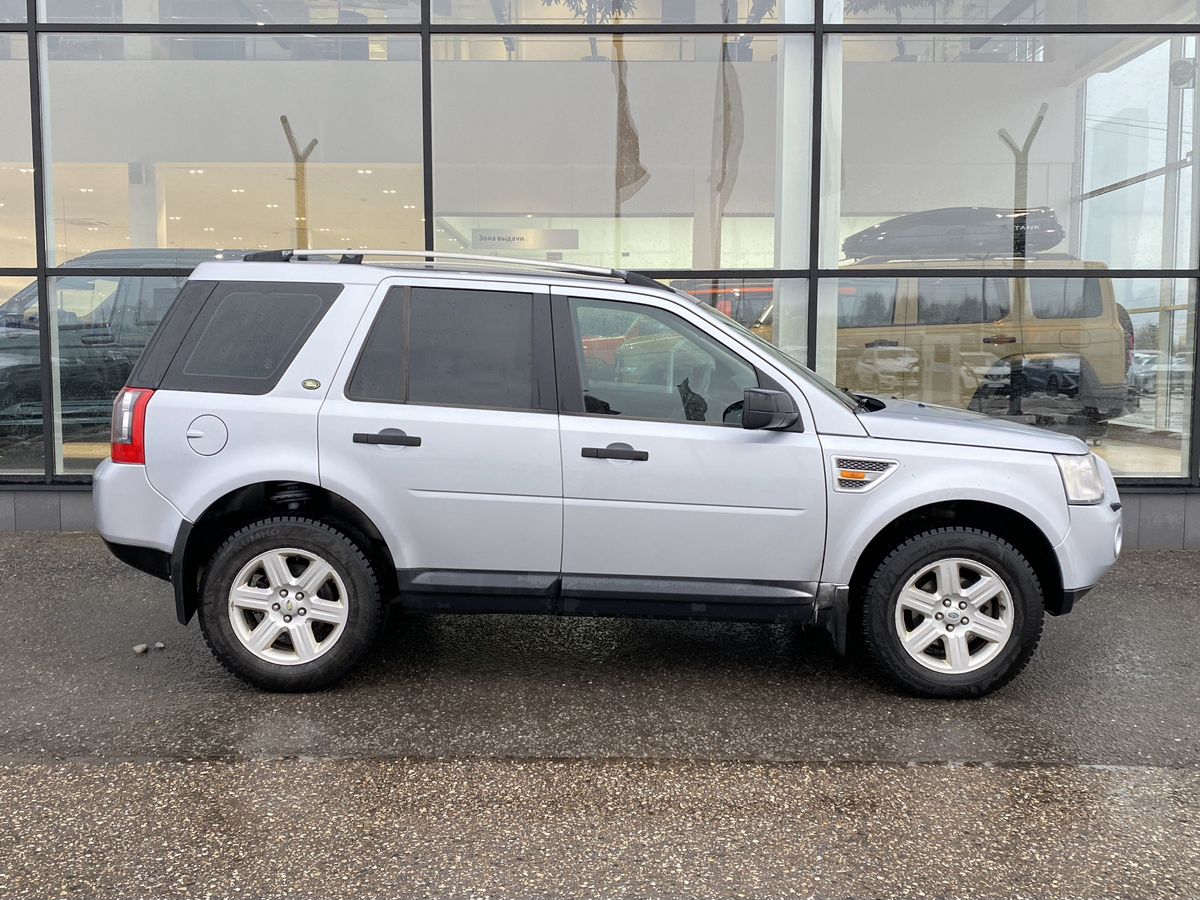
[246, 335]
[1065, 298]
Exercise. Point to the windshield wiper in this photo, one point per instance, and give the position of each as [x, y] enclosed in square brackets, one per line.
[863, 403]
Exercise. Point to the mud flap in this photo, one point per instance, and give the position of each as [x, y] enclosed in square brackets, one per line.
[832, 611]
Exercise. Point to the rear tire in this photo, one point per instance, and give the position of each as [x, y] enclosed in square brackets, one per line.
[919, 596]
[261, 625]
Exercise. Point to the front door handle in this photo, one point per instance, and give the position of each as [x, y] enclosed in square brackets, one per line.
[1000, 339]
[615, 453]
[395, 438]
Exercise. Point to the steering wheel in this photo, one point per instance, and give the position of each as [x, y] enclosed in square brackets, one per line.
[732, 407]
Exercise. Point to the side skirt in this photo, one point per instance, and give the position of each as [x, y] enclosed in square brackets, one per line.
[471, 591]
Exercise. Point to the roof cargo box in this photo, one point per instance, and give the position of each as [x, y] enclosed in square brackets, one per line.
[958, 232]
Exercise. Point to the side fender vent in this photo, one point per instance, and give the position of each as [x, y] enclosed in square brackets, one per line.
[853, 475]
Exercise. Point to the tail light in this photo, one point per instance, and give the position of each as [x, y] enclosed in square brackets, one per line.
[129, 426]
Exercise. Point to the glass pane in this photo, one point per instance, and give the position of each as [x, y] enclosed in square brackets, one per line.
[12, 10]
[646, 152]
[102, 324]
[201, 162]
[644, 363]
[17, 230]
[1007, 12]
[471, 348]
[1107, 360]
[1068, 150]
[247, 335]
[775, 310]
[231, 12]
[599, 12]
[20, 378]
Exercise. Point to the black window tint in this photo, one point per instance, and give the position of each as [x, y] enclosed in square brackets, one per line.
[1065, 298]
[247, 334]
[471, 348]
[961, 301]
[866, 302]
[379, 374]
[450, 346]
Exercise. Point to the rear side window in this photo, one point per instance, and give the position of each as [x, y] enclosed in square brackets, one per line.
[866, 302]
[1065, 298]
[961, 301]
[246, 336]
[450, 347]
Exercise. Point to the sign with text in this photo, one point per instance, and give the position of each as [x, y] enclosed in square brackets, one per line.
[525, 238]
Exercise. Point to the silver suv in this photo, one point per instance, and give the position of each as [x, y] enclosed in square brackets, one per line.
[307, 439]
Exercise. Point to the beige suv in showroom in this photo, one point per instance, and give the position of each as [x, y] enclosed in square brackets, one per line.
[1050, 351]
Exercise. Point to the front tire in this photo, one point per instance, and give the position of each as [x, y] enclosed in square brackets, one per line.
[290, 604]
[953, 612]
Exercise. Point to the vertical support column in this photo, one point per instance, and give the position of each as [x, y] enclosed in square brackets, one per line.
[427, 118]
[147, 207]
[796, 134]
[50, 436]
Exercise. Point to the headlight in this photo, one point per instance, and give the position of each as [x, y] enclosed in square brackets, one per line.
[1081, 478]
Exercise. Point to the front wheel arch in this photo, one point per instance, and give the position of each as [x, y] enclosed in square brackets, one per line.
[1005, 523]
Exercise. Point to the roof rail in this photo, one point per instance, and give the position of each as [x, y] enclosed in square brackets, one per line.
[430, 257]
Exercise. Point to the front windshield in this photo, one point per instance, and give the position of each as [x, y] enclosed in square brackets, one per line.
[781, 358]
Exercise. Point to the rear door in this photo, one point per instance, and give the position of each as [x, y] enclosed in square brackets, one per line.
[664, 492]
[441, 425]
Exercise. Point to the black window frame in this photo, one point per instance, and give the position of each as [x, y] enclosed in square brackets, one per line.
[545, 388]
[570, 381]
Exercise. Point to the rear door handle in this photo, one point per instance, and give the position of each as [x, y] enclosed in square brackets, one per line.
[1000, 339]
[393, 438]
[615, 453]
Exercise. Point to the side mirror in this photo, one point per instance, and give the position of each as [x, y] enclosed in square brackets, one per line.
[772, 410]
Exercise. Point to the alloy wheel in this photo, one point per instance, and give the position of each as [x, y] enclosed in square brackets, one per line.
[954, 615]
[288, 606]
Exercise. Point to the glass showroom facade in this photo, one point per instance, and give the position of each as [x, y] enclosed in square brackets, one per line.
[988, 204]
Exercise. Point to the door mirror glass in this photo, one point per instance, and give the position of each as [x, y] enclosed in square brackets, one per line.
[772, 410]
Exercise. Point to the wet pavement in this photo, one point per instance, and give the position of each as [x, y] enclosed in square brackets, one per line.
[516, 756]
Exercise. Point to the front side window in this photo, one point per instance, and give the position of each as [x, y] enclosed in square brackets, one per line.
[961, 301]
[866, 302]
[450, 347]
[645, 363]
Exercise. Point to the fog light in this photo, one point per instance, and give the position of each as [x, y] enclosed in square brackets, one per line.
[1117, 538]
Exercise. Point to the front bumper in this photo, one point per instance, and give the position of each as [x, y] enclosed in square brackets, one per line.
[1092, 543]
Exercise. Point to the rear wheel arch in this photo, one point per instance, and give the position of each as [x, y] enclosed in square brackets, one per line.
[992, 518]
[198, 541]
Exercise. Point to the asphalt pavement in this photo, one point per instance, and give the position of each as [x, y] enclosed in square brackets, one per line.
[512, 756]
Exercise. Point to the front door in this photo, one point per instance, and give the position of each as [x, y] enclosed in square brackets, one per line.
[666, 498]
[443, 431]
